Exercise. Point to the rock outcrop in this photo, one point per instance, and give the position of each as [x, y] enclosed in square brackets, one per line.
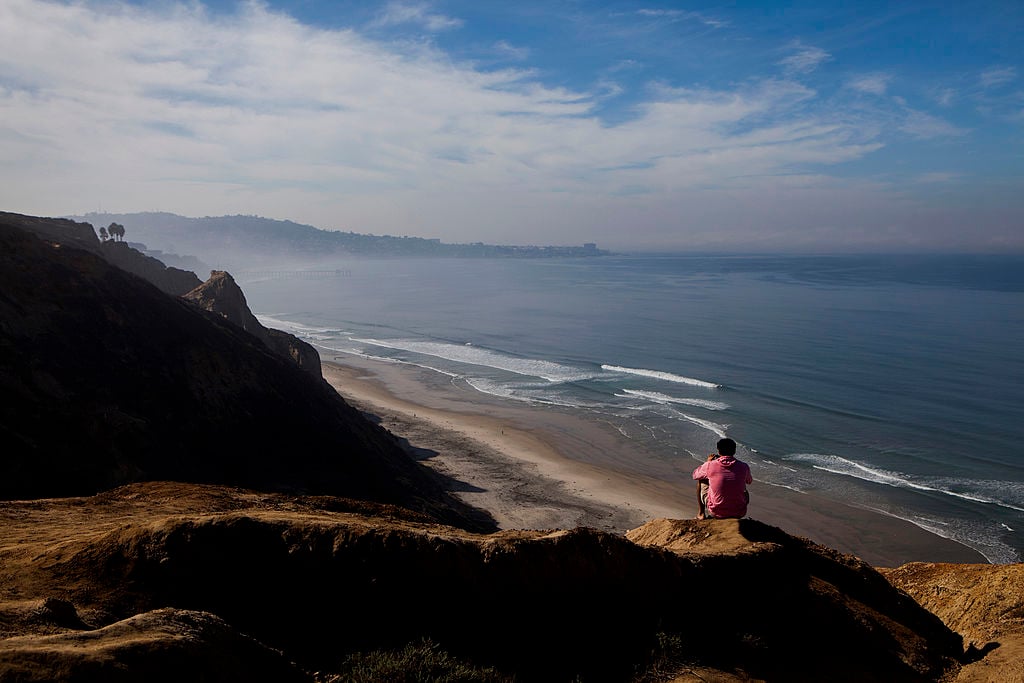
[319, 578]
[221, 295]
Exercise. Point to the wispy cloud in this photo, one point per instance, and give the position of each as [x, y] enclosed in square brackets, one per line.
[681, 15]
[873, 84]
[995, 77]
[509, 51]
[945, 97]
[805, 60]
[398, 13]
[922, 125]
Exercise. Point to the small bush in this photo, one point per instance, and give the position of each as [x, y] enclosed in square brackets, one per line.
[423, 662]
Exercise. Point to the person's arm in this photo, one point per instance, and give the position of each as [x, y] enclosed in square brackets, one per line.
[701, 474]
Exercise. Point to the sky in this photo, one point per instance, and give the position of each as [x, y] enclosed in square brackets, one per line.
[739, 127]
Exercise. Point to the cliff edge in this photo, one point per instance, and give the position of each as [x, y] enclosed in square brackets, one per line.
[315, 581]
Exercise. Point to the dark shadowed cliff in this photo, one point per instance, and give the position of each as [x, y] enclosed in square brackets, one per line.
[82, 236]
[109, 380]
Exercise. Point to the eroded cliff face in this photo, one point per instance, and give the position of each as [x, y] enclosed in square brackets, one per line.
[316, 578]
[108, 380]
[982, 602]
[221, 295]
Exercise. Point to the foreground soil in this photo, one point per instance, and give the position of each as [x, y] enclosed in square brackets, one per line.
[982, 602]
[157, 581]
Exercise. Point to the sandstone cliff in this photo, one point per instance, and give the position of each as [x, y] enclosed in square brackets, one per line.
[984, 603]
[221, 295]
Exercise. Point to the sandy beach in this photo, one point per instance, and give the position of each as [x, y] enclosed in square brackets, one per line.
[537, 467]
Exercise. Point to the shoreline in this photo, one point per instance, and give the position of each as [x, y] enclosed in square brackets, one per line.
[534, 467]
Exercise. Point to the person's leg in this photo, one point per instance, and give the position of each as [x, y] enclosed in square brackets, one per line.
[702, 497]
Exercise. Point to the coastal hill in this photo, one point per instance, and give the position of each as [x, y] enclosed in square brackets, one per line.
[251, 241]
[108, 380]
[183, 502]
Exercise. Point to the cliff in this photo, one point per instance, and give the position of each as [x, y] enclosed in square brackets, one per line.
[222, 296]
[983, 603]
[82, 236]
[109, 380]
[173, 281]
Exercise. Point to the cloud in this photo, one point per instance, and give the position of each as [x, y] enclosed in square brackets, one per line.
[922, 125]
[509, 51]
[873, 84]
[805, 60]
[660, 12]
[681, 15]
[995, 77]
[398, 13]
[945, 97]
[168, 107]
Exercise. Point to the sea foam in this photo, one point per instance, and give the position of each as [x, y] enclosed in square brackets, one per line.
[664, 398]
[718, 429]
[1009, 495]
[475, 355]
[657, 374]
[298, 329]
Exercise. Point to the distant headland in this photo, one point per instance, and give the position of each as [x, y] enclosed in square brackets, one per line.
[252, 240]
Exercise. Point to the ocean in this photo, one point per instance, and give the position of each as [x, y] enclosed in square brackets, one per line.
[892, 383]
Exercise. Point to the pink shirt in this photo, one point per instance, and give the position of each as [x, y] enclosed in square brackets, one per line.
[727, 485]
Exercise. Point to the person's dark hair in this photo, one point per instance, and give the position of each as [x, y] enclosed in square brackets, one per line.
[727, 446]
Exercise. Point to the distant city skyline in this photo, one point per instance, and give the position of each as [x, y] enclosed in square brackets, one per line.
[774, 126]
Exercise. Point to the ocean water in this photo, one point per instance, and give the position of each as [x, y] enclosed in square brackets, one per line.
[893, 383]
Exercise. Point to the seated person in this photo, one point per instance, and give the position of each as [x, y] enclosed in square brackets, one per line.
[722, 484]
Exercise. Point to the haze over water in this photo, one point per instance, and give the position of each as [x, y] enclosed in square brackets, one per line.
[887, 382]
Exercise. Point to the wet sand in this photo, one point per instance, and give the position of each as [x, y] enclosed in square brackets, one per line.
[537, 467]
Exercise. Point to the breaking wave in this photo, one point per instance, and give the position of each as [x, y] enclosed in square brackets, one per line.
[1005, 494]
[718, 429]
[664, 398]
[657, 374]
[475, 355]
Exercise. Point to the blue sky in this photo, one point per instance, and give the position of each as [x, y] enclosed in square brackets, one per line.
[773, 126]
